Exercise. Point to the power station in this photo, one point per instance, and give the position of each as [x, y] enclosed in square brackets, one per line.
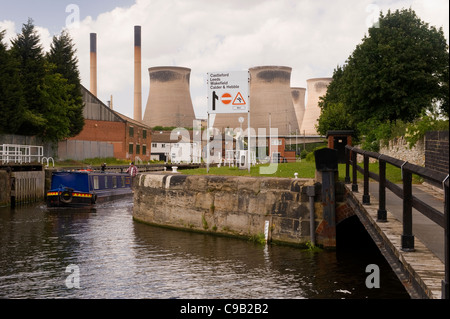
[273, 102]
[316, 88]
[137, 74]
[298, 98]
[93, 60]
[169, 100]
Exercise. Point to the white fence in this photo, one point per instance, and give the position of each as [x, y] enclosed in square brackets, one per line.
[21, 154]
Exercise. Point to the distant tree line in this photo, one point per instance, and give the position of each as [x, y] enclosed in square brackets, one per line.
[396, 77]
[40, 93]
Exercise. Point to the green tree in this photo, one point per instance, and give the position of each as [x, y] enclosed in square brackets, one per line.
[63, 55]
[11, 94]
[399, 70]
[28, 52]
[57, 98]
[334, 117]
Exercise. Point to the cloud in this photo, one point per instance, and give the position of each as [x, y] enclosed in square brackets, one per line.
[10, 31]
[311, 37]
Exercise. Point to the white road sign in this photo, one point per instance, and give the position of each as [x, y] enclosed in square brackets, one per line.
[228, 92]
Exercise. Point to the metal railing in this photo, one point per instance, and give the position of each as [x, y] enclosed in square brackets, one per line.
[20, 154]
[409, 200]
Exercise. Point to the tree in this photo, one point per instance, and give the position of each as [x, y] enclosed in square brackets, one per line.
[335, 117]
[399, 70]
[57, 98]
[11, 92]
[62, 55]
[53, 104]
[28, 52]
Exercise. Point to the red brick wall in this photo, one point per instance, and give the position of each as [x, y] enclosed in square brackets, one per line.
[138, 139]
[102, 131]
[290, 156]
[105, 131]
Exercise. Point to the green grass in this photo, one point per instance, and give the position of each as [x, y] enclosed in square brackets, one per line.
[305, 169]
[91, 161]
[393, 174]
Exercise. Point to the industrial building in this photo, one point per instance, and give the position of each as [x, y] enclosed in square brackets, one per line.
[316, 88]
[169, 101]
[107, 133]
[298, 98]
[271, 103]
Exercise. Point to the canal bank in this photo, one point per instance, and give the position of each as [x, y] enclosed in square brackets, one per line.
[278, 209]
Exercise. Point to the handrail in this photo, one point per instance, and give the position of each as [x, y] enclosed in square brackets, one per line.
[20, 153]
[409, 200]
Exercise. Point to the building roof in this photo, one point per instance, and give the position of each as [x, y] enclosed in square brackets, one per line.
[132, 121]
[107, 113]
[163, 137]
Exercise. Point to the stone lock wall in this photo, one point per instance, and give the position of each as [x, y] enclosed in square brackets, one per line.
[230, 205]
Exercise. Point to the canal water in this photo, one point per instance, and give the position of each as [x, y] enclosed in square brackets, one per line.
[46, 253]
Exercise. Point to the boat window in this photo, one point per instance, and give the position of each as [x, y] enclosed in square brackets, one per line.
[123, 181]
[114, 182]
[106, 181]
[96, 184]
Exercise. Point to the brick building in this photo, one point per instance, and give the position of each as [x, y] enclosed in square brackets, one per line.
[278, 151]
[130, 139]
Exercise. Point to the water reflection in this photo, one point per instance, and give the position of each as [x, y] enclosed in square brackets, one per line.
[119, 258]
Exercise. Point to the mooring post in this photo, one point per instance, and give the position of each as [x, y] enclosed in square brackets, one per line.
[311, 192]
[327, 166]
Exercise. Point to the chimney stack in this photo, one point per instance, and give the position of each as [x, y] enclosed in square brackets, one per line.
[137, 75]
[94, 63]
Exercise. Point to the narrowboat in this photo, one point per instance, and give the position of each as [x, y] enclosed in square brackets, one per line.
[86, 188]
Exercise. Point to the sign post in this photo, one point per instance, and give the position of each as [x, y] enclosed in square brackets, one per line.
[229, 93]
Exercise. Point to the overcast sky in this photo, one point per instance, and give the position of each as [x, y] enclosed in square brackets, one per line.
[310, 36]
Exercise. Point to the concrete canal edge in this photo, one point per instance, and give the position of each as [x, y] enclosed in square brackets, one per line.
[245, 207]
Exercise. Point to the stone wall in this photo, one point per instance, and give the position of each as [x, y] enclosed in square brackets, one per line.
[399, 148]
[230, 205]
[436, 151]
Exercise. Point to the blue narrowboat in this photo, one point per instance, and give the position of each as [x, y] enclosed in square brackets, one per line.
[86, 188]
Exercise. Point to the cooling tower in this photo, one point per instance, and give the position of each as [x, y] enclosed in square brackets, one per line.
[169, 100]
[93, 54]
[137, 74]
[315, 88]
[298, 98]
[270, 102]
